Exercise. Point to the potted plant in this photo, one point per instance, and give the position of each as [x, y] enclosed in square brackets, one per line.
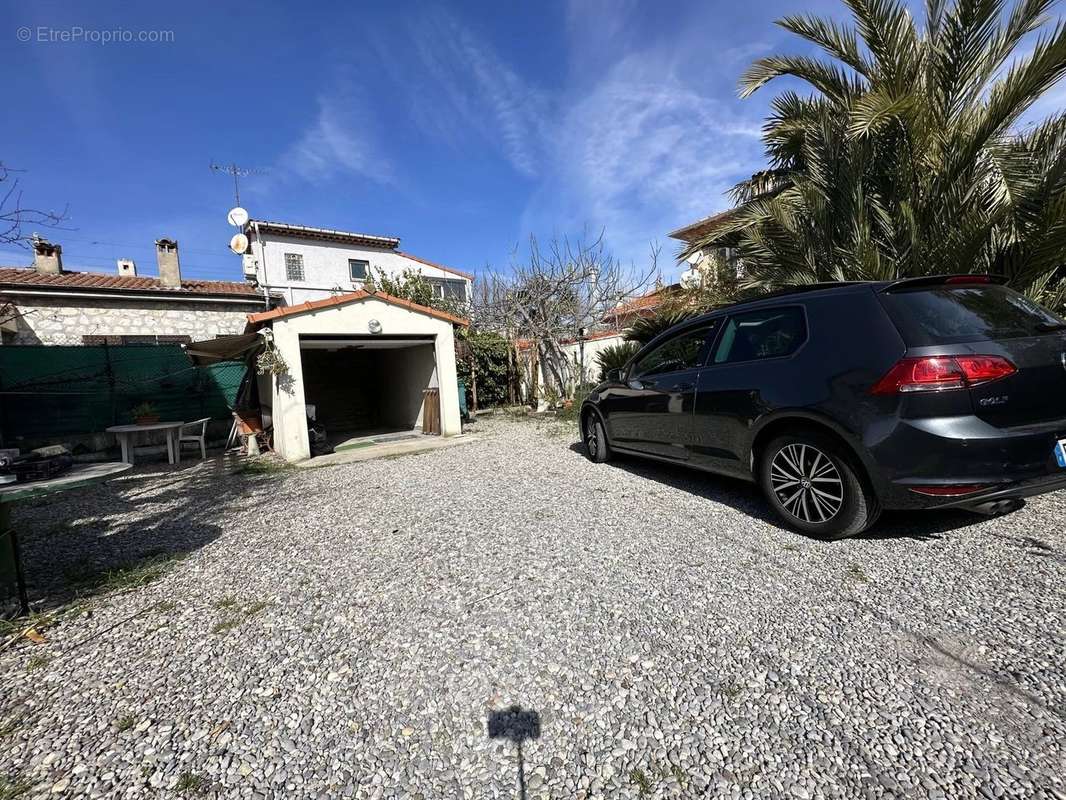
[144, 414]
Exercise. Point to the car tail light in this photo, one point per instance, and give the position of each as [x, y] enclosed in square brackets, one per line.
[955, 490]
[938, 373]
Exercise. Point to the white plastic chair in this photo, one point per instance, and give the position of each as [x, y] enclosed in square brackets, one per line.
[188, 434]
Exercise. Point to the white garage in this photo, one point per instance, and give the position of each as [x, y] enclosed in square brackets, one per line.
[368, 364]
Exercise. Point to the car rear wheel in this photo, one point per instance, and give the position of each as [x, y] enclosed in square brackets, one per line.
[595, 439]
[815, 487]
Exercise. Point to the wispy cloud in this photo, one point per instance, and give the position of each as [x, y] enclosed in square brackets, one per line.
[640, 135]
[336, 144]
[476, 90]
[642, 153]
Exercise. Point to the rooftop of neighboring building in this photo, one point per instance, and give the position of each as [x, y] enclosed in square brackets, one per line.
[343, 237]
[701, 227]
[89, 282]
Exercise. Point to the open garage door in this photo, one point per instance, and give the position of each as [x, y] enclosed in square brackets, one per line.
[367, 386]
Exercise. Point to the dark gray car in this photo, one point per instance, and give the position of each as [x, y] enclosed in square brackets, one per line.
[847, 398]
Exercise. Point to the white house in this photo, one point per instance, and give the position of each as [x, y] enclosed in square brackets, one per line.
[301, 263]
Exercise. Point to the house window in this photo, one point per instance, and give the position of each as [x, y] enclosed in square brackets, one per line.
[294, 267]
[444, 289]
[358, 268]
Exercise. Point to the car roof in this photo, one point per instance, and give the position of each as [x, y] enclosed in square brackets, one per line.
[808, 290]
[814, 290]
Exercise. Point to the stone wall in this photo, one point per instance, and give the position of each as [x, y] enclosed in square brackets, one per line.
[65, 321]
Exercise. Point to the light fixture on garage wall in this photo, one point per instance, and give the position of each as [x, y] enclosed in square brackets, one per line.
[374, 326]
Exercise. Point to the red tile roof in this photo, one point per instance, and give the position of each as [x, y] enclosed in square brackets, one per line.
[644, 304]
[78, 281]
[353, 297]
[466, 275]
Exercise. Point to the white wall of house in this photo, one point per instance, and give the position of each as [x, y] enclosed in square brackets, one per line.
[326, 270]
[592, 347]
[289, 411]
[572, 351]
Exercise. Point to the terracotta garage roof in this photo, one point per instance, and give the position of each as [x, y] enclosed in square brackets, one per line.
[14, 278]
[352, 297]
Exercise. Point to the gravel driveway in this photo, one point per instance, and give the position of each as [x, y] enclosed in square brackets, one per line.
[348, 631]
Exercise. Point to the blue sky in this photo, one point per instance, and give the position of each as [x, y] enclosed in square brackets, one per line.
[461, 128]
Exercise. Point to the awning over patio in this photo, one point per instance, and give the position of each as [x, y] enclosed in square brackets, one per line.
[223, 348]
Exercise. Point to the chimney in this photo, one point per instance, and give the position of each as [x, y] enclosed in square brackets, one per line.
[166, 254]
[126, 268]
[47, 257]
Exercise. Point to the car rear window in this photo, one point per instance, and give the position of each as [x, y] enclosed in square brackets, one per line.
[949, 314]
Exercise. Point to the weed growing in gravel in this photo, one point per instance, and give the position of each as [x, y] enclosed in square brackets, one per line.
[263, 466]
[125, 723]
[165, 606]
[252, 609]
[792, 547]
[227, 603]
[190, 782]
[132, 575]
[225, 625]
[640, 780]
[12, 627]
[855, 572]
[37, 661]
[9, 726]
[240, 613]
[10, 788]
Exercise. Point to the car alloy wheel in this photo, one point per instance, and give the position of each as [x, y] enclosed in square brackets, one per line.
[592, 438]
[807, 483]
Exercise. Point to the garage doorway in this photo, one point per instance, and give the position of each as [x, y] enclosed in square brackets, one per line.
[367, 389]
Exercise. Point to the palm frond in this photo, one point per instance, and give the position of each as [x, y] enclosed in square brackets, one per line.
[832, 81]
[837, 41]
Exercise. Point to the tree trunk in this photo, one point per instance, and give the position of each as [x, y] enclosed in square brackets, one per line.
[511, 374]
[534, 380]
[473, 381]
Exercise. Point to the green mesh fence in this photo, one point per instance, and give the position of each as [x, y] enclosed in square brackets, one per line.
[50, 391]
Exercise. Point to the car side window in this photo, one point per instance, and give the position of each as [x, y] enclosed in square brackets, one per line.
[678, 353]
[769, 333]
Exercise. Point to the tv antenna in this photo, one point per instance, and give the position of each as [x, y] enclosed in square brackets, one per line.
[237, 172]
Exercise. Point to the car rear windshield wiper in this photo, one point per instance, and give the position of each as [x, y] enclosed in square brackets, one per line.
[1050, 327]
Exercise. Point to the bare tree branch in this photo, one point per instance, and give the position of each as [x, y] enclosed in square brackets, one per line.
[14, 216]
[554, 295]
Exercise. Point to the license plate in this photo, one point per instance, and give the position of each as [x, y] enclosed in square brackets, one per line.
[1060, 452]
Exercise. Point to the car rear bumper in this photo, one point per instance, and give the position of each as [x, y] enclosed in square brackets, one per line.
[1008, 463]
[1010, 491]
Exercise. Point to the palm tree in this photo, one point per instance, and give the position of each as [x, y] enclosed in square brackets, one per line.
[643, 329]
[907, 158]
[615, 356]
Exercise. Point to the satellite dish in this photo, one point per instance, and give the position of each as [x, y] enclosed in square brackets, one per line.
[695, 258]
[237, 217]
[374, 326]
[239, 243]
[690, 279]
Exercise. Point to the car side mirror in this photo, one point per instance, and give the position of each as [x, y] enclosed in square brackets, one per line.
[614, 376]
